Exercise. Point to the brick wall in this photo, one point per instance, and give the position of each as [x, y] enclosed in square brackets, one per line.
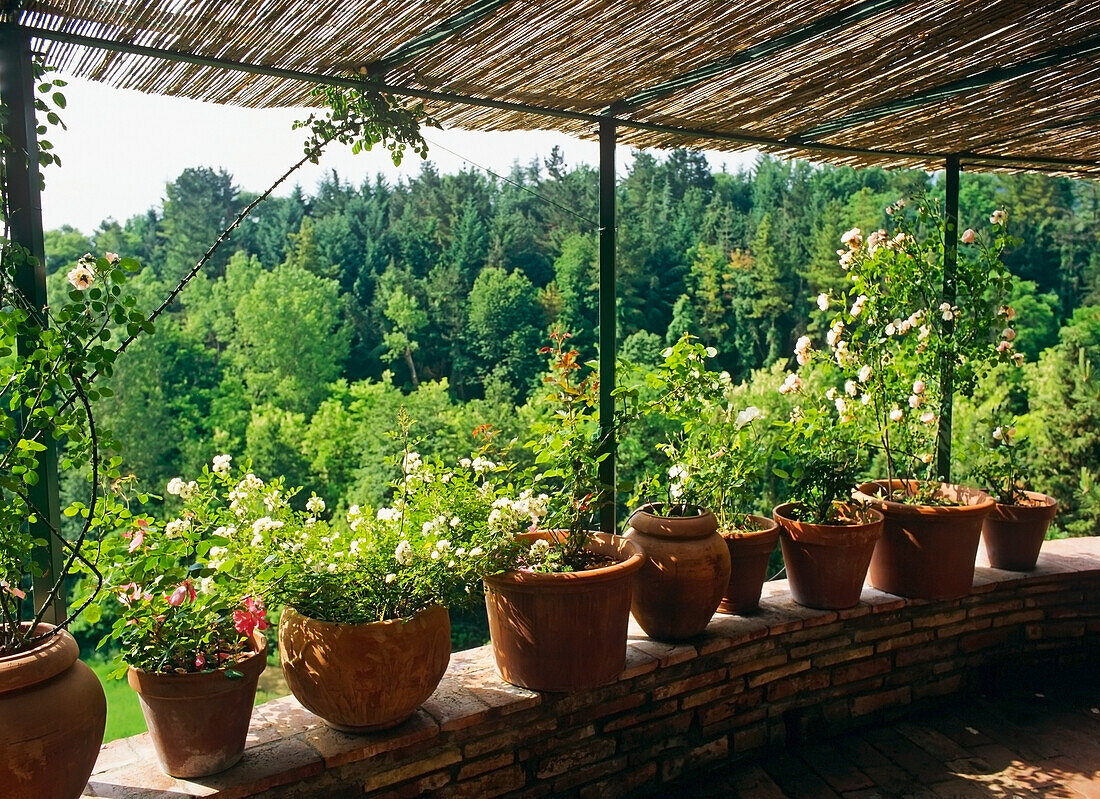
[785, 674]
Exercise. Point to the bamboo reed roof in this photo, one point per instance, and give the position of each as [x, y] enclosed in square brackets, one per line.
[1003, 84]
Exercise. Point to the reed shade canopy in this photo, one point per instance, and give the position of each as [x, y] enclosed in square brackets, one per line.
[1001, 84]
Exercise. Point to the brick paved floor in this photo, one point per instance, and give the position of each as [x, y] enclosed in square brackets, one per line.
[1017, 746]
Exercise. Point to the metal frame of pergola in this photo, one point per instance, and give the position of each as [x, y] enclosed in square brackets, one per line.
[135, 49]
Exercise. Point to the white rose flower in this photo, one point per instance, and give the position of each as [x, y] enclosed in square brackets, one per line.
[404, 553]
[177, 527]
[750, 414]
[539, 549]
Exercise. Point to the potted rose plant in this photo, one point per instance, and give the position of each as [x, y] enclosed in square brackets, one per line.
[1014, 531]
[687, 563]
[717, 458]
[188, 628]
[558, 595]
[827, 538]
[918, 339]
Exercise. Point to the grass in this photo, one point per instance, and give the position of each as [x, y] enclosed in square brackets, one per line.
[124, 716]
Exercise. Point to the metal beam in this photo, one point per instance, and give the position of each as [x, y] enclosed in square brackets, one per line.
[749, 140]
[1085, 49]
[950, 291]
[840, 19]
[1047, 128]
[608, 344]
[25, 230]
[455, 23]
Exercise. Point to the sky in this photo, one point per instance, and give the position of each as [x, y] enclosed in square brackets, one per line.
[122, 147]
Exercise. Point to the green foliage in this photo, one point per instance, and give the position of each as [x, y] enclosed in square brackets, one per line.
[49, 359]
[699, 251]
[363, 118]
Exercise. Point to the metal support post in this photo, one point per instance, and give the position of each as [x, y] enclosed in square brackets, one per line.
[608, 344]
[25, 230]
[950, 265]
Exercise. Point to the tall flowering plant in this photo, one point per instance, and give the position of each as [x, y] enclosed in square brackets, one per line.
[820, 453]
[905, 340]
[569, 445]
[49, 358]
[715, 455]
[184, 598]
[1001, 467]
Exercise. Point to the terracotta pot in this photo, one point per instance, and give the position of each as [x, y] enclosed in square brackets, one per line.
[750, 550]
[564, 632]
[827, 563]
[52, 712]
[362, 677]
[684, 574]
[926, 551]
[1014, 534]
[198, 721]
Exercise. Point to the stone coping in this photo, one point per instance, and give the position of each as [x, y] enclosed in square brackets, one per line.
[287, 744]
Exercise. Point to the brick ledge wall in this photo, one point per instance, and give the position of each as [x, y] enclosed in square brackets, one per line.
[785, 673]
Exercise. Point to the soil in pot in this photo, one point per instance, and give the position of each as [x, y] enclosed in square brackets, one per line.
[684, 574]
[750, 550]
[827, 563]
[198, 721]
[564, 631]
[1014, 534]
[364, 677]
[926, 551]
[52, 714]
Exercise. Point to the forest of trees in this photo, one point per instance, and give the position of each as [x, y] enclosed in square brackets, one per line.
[329, 311]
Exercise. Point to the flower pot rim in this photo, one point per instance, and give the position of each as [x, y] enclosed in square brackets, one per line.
[631, 563]
[700, 511]
[43, 661]
[433, 608]
[765, 526]
[979, 502]
[1043, 501]
[783, 510]
[679, 527]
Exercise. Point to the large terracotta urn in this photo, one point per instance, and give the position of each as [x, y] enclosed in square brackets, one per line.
[52, 713]
[685, 571]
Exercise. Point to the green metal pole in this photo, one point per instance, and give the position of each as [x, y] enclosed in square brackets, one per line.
[950, 266]
[608, 344]
[24, 221]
